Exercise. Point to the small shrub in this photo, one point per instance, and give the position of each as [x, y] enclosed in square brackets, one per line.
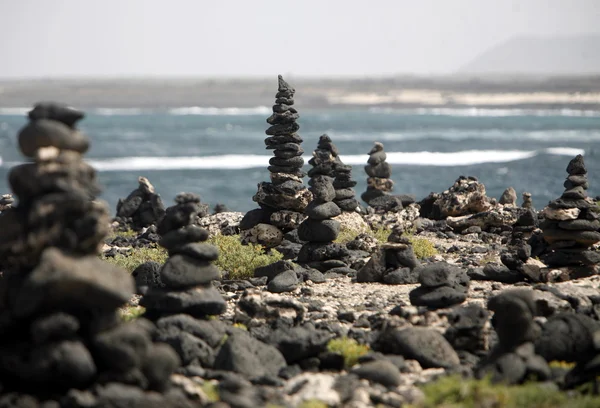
[488, 258]
[116, 233]
[381, 234]
[211, 391]
[136, 257]
[349, 349]
[129, 313]
[241, 260]
[455, 392]
[240, 326]
[422, 247]
[561, 364]
[346, 235]
[312, 403]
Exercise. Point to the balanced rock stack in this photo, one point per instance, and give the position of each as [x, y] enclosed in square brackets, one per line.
[187, 275]
[59, 302]
[514, 359]
[527, 201]
[319, 230]
[142, 207]
[442, 285]
[379, 171]
[571, 222]
[326, 161]
[284, 199]
[394, 262]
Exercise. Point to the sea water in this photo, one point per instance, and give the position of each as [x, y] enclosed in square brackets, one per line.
[220, 154]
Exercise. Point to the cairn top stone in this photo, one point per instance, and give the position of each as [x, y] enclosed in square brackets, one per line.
[377, 147]
[576, 166]
[284, 86]
[56, 111]
[48, 133]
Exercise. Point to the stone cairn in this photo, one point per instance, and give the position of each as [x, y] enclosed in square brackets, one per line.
[379, 171]
[142, 208]
[326, 161]
[61, 329]
[527, 201]
[186, 278]
[513, 359]
[442, 285]
[283, 200]
[394, 262]
[571, 222]
[319, 230]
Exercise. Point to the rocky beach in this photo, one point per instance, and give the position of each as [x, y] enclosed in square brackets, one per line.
[312, 299]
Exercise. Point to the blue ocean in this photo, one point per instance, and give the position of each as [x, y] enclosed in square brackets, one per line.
[220, 154]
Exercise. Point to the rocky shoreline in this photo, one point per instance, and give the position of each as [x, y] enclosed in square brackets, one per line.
[354, 305]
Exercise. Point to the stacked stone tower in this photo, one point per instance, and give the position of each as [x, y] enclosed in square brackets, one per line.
[571, 225]
[379, 172]
[58, 301]
[188, 273]
[326, 161]
[286, 192]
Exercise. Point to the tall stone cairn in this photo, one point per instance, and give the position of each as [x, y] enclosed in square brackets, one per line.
[319, 230]
[187, 275]
[59, 319]
[379, 172]
[286, 191]
[326, 161]
[571, 222]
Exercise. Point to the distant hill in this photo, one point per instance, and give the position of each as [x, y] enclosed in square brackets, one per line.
[576, 55]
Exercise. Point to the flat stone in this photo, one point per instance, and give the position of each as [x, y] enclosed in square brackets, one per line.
[284, 117]
[322, 210]
[274, 269]
[182, 271]
[197, 250]
[586, 238]
[561, 214]
[344, 193]
[575, 181]
[577, 193]
[441, 274]
[297, 161]
[197, 302]
[283, 129]
[566, 257]
[61, 281]
[182, 236]
[56, 111]
[50, 133]
[319, 231]
[321, 252]
[437, 298]
[580, 225]
[57, 326]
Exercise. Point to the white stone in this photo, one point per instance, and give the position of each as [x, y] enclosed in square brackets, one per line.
[312, 386]
[561, 214]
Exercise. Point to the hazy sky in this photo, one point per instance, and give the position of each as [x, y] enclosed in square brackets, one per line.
[63, 38]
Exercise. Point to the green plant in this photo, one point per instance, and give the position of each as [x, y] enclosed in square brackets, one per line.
[381, 234]
[346, 235]
[241, 260]
[136, 257]
[116, 233]
[129, 313]
[349, 349]
[312, 403]
[422, 247]
[561, 364]
[211, 391]
[456, 392]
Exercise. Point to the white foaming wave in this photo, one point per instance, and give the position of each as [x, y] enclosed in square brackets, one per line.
[120, 111]
[229, 161]
[211, 111]
[14, 111]
[486, 112]
[237, 162]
